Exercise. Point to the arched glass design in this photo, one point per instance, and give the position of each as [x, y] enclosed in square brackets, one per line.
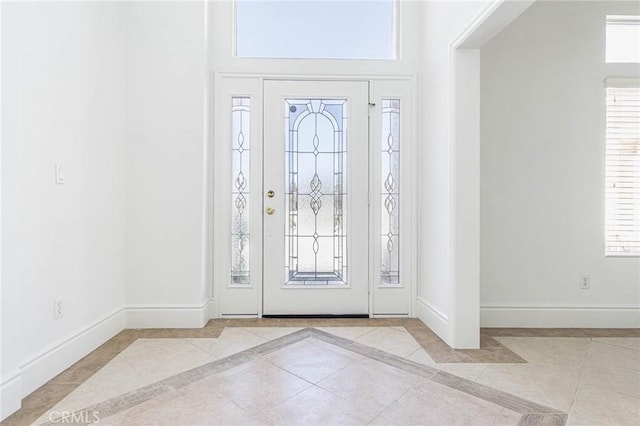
[315, 232]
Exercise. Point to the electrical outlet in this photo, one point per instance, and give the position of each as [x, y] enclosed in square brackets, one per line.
[57, 309]
[585, 282]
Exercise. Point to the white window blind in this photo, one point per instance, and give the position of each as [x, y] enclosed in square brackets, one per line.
[622, 171]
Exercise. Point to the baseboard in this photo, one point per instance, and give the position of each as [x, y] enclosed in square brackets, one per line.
[559, 317]
[10, 395]
[213, 309]
[391, 316]
[433, 318]
[169, 316]
[54, 360]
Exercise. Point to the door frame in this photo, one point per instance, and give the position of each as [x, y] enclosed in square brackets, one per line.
[249, 299]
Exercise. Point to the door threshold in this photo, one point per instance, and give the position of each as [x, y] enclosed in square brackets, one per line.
[322, 316]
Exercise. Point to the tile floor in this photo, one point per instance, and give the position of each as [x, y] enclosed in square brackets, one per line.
[371, 373]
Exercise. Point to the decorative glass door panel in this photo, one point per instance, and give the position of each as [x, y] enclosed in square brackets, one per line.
[315, 240]
[316, 198]
[390, 192]
[240, 190]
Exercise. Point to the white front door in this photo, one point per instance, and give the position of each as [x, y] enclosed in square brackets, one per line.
[315, 198]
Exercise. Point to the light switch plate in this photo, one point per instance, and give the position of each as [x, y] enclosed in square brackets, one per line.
[59, 174]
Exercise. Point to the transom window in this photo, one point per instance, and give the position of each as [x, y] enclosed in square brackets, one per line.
[623, 39]
[317, 29]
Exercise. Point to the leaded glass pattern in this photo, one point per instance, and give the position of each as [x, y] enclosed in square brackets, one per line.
[240, 184]
[390, 193]
[315, 185]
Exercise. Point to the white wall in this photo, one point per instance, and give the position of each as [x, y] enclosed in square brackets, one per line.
[165, 155]
[62, 97]
[442, 23]
[113, 92]
[542, 173]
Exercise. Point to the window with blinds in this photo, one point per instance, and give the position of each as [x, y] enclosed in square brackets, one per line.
[622, 170]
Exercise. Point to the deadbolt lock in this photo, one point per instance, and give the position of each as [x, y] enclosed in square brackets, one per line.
[271, 193]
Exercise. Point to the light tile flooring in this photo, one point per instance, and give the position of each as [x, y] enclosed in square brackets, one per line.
[356, 375]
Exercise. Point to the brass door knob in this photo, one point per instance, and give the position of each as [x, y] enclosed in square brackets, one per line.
[270, 210]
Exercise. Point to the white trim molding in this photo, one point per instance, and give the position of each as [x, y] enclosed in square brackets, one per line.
[10, 395]
[45, 365]
[50, 362]
[464, 162]
[170, 316]
[212, 307]
[433, 318]
[560, 316]
[493, 19]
